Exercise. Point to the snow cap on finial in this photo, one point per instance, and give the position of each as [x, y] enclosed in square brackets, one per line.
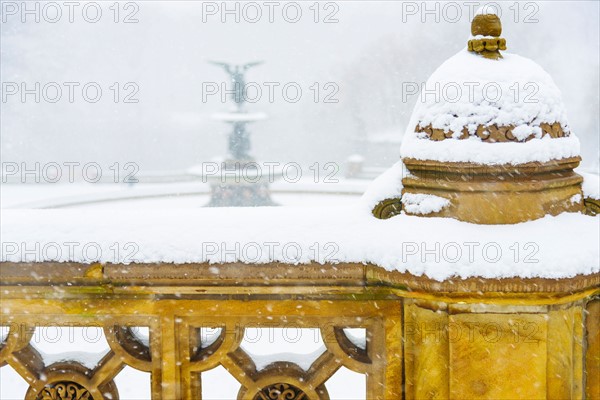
[486, 29]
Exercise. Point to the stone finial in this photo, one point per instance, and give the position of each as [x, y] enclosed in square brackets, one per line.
[486, 30]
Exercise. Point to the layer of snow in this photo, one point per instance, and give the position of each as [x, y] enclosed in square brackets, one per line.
[73, 194]
[142, 333]
[475, 151]
[388, 185]
[358, 336]
[305, 200]
[61, 195]
[423, 203]
[500, 94]
[488, 9]
[591, 185]
[304, 361]
[266, 345]
[441, 248]
[469, 90]
[576, 198]
[480, 37]
[87, 359]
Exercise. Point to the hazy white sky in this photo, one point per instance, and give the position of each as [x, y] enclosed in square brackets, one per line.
[367, 51]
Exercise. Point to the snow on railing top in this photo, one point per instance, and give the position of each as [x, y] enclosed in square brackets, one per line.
[440, 248]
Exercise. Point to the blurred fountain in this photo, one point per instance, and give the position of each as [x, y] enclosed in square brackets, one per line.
[239, 180]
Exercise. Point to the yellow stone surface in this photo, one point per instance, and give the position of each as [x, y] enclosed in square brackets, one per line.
[497, 194]
[498, 356]
[592, 347]
[426, 352]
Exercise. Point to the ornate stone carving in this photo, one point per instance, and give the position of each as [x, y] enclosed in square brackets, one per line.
[491, 44]
[387, 208]
[592, 206]
[70, 380]
[380, 299]
[492, 133]
[486, 29]
[497, 194]
[281, 391]
[64, 391]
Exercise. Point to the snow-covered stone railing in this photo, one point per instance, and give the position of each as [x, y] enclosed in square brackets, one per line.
[422, 289]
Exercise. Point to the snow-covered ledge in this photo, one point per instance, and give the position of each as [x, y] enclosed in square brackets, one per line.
[438, 248]
[486, 294]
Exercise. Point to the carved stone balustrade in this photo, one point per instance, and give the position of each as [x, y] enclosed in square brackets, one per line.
[424, 338]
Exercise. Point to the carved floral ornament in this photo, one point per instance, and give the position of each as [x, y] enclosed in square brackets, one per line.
[70, 380]
[281, 391]
[492, 133]
[487, 44]
[65, 391]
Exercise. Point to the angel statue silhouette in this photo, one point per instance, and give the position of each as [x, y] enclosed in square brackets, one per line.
[236, 73]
